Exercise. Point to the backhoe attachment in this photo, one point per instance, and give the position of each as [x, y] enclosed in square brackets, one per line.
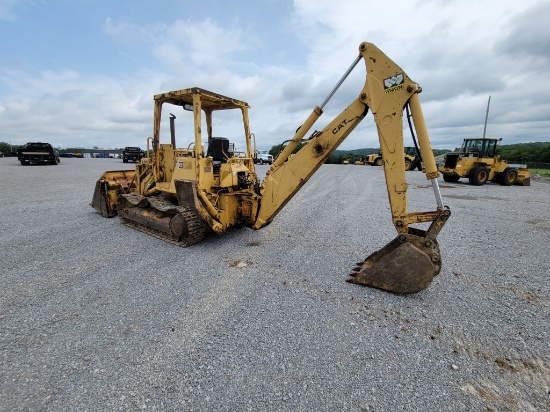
[409, 262]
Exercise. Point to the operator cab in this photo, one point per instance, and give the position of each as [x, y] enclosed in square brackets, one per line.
[479, 147]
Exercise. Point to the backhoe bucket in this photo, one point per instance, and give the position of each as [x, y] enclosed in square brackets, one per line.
[405, 265]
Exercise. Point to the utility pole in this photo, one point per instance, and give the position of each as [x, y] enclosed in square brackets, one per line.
[486, 117]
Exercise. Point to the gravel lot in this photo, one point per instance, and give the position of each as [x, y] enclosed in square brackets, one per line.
[97, 316]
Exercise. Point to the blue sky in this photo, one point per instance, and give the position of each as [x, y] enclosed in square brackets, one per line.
[82, 73]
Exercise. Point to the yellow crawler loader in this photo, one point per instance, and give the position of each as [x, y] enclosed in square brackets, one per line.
[178, 194]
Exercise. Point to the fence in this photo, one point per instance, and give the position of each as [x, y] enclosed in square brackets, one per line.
[532, 165]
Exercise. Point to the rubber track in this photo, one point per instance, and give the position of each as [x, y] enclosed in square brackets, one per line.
[196, 227]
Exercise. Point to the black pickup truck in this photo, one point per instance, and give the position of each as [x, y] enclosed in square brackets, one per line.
[132, 153]
[38, 152]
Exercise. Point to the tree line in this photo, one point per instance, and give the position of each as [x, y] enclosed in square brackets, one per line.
[526, 152]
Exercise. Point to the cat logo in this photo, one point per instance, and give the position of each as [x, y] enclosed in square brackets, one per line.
[394, 83]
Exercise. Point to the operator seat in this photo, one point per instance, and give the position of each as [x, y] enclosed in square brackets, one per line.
[218, 149]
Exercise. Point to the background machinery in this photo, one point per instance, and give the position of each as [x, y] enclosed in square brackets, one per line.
[375, 159]
[178, 194]
[412, 159]
[477, 160]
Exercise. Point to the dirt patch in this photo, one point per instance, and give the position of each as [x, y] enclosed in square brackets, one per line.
[518, 377]
[543, 224]
[523, 293]
[237, 263]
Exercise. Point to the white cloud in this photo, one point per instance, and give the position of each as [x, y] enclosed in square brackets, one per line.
[70, 110]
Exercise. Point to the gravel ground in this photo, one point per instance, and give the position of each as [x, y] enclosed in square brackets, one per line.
[97, 316]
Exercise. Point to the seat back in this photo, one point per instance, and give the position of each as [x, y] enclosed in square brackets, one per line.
[218, 149]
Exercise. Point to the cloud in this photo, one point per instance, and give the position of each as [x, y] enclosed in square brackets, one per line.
[183, 42]
[528, 35]
[71, 110]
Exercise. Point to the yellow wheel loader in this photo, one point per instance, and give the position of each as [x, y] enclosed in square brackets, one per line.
[411, 159]
[477, 160]
[180, 194]
[375, 159]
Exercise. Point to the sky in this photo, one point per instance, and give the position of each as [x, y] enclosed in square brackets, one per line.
[83, 73]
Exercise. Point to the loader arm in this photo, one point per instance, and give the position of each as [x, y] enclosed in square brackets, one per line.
[387, 90]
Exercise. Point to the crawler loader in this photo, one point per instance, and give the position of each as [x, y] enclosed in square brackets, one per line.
[179, 194]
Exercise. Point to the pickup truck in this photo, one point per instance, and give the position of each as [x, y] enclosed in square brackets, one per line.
[38, 152]
[132, 153]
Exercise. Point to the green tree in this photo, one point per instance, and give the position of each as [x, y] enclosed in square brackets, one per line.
[277, 149]
[8, 149]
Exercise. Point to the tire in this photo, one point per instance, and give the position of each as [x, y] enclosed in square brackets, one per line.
[408, 165]
[23, 163]
[451, 178]
[508, 176]
[379, 162]
[478, 176]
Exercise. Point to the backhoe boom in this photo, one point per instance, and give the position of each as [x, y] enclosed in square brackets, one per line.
[408, 263]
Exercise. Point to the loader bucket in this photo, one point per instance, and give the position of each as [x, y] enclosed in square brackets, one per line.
[107, 189]
[524, 177]
[405, 265]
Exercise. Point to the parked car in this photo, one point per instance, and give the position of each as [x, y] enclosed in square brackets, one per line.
[132, 153]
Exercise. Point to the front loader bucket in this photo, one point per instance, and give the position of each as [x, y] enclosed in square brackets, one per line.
[405, 265]
[524, 177]
[107, 189]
